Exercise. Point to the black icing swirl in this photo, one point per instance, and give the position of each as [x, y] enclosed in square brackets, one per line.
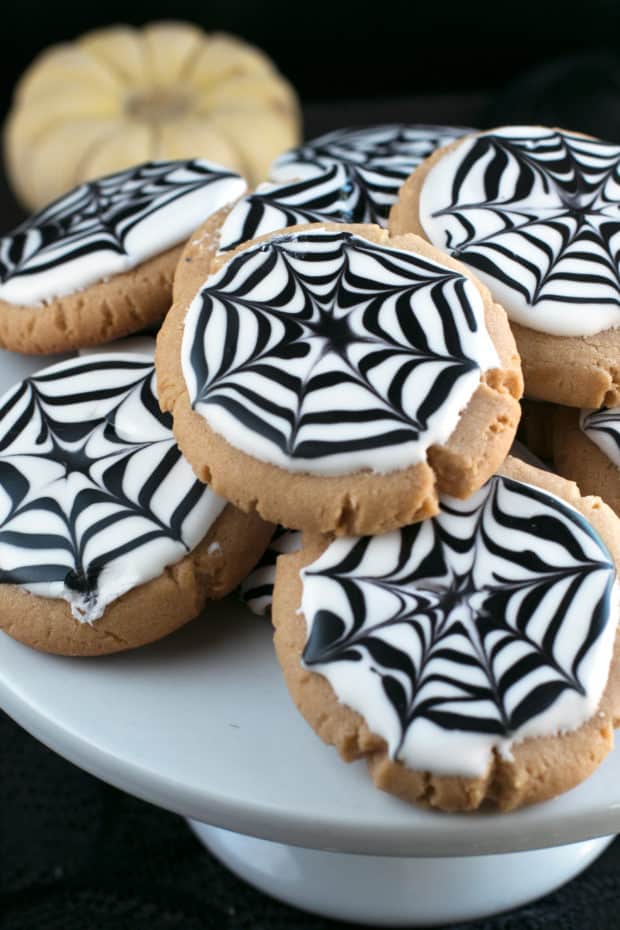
[91, 477]
[334, 346]
[326, 197]
[99, 215]
[538, 212]
[256, 590]
[603, 428]
[500, 599]
[374, 160]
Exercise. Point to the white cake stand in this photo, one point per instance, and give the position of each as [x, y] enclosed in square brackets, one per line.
[201, 724]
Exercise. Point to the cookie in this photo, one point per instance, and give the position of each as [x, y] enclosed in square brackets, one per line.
[336, 379]
[369, 164]
[98, 263]
[532, 211]
[586, 449]
[269, 208]
[107, 540]
[346, 176]
[256, 591]
[470, 658]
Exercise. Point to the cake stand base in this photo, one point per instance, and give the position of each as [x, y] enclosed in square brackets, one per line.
[387, 891]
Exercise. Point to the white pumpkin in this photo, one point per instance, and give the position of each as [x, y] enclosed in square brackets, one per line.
[119, 96]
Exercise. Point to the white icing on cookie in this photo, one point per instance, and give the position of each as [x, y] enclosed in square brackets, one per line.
[326, 197]
[492, 622]
[602, 427]
[371, 164]
[108, 226]
[535, 212]
[256, 590]
[324, 352]
[95, 497]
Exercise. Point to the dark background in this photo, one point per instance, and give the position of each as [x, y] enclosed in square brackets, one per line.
[386, 48]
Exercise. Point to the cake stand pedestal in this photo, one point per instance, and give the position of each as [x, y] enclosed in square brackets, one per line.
[395, 892]
[201, 724]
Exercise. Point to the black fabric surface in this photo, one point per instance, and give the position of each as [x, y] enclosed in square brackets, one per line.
[76, 854]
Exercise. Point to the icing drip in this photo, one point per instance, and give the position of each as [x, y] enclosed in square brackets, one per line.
[602, 427]
[95, 497]
[256, 591]
[109, 226]
[492, 622]
[536, 213]
[370, 164]
[324, 352]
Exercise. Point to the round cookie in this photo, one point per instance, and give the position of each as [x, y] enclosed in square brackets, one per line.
[532, 211]
[336, 379]
[98, 263]
[369, 164]
[586, 449]
[470, 658]
[107, 540]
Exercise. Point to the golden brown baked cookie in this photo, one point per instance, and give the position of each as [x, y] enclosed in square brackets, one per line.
[150, 611]
[578, 455]
[107, 539]
[196, 258]
[332, 403]
[471, 658]
[523, 207]
[98, 264]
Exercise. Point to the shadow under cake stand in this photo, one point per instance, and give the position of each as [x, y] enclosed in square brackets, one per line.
[201, 724]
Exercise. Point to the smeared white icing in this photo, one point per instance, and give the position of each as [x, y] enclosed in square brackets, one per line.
[95, 497]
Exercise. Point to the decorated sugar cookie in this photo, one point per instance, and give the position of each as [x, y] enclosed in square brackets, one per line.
[334, 378]
[370, 164]
[98, 263]
[586, 448]
[269, 208]
[534, 212]
[346, 176]
[107, 539]
[469, 657]
[322, 197]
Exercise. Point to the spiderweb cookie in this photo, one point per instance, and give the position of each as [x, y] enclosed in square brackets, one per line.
[97, 263]
[533, 212]
[469, 658]
[336, 379]
[107, 539]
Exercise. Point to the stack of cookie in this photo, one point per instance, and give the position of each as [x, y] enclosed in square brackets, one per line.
[441, 609]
